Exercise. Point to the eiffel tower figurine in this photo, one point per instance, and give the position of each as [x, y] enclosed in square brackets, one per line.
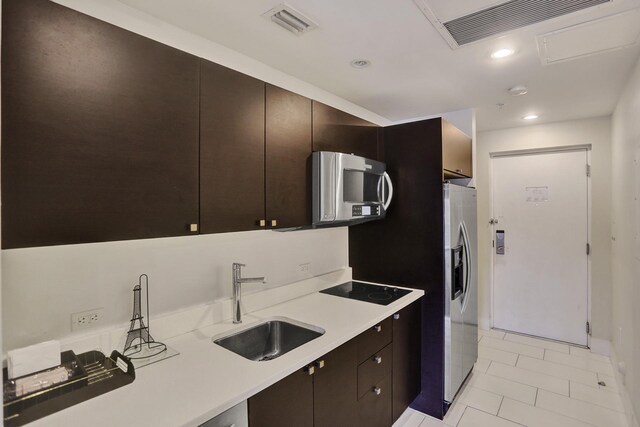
[140, 344]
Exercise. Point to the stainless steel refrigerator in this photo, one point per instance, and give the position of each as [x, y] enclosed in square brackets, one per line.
[461, 286]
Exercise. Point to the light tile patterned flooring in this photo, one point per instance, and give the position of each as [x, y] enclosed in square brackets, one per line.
[524, 381]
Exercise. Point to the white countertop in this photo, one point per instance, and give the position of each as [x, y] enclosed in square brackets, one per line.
[206, 379]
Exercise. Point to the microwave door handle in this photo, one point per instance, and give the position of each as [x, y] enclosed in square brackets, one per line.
[390, 185]
[335, 181]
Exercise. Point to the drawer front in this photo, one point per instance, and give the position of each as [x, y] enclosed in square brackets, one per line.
[374, 408]
[374, 339]
[374, 370]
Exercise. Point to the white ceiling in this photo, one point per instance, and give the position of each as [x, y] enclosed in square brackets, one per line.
[414, 72]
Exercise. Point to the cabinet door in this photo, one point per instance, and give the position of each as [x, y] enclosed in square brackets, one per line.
[289, 402]
[456, 151]
[335, 130]
[406, 357]
[336, 388]
[374, 408]
[288, 164]
[99, 130]
[231, 150]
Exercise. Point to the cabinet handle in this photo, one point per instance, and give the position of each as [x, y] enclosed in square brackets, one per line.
[193, 227]
[396, 316]
[320, 364]
[459, 170]
[377, 391]
[377, 359]
[310, 370]
[377, 328]
[262, 223]
[274, 223]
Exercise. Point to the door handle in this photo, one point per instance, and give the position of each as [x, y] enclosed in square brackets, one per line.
[467, 259]
[390, 185]
[499, 242]
[457, 265]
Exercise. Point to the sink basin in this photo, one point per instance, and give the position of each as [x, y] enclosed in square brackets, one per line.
[269, 339]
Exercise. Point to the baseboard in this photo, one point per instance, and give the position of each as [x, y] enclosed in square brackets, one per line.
[484, 323]
[632, 417]
[600, 346]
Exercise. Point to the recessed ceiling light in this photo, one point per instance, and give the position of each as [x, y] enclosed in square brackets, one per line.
[502, 53]
[530, 117]
[360, 63]
[518, 90]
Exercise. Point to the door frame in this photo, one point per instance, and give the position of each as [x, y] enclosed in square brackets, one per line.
[533, 151]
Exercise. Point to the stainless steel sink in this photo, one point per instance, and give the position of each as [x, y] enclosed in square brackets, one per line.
[269, 339]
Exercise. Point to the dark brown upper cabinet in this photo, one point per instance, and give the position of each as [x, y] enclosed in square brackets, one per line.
[99, 130]
[288, 153]
[335, 130]
[232, 167]
[456, 152]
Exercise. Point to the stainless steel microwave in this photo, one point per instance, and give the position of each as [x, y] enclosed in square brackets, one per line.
[348, 188]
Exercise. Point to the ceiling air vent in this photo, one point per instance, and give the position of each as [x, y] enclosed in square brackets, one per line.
[290, 19]
[502, 18]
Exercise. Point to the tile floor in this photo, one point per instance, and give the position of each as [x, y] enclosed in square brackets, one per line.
[523, 381]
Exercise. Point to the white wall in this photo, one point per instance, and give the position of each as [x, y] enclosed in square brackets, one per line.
[597, 132]
[43, 286]
[626, 237]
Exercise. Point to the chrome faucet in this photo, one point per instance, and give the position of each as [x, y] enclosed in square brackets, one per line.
[237, 293]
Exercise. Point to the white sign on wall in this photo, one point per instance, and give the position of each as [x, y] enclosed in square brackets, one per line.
[537, 194]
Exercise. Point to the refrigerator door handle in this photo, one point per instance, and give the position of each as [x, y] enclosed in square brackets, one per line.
[467, 262]
[457, 267]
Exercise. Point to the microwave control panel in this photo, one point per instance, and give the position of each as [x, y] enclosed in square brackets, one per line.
[365, 210]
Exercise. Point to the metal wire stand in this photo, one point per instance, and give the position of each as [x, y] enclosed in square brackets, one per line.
[140, 344]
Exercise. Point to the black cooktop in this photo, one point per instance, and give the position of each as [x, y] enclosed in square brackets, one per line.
[383, 295]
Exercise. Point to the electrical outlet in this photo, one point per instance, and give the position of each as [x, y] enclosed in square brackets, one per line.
[304, 267]
[84, 319]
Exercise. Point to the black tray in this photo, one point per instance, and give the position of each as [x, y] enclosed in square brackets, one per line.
[93, 374]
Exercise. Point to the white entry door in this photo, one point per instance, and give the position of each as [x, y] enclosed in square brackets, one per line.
[540, 282]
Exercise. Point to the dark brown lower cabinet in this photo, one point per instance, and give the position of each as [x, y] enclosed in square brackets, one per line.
[325, 396]
[335, 387]
[353, 385]
[289, 402]
[374, 408]
[406, 357]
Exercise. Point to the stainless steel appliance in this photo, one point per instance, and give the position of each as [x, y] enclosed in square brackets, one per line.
[348, 188]
[376, 294]
[461, 286]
